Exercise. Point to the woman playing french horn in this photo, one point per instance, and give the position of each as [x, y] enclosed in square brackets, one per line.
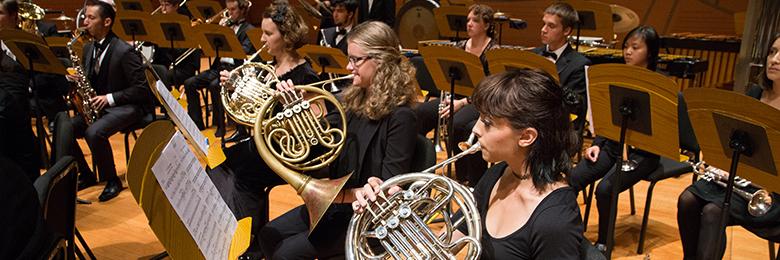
[379, 143]
[284, 32]
[526, 208]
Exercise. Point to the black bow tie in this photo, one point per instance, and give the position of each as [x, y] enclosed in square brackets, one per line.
[550, 54]
[100, 46]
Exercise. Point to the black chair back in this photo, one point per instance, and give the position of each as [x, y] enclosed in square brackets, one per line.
[64, 140]
[424, 154]
[57, 195]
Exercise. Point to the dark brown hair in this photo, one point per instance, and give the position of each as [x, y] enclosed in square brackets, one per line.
[532, 99]
[290, 24]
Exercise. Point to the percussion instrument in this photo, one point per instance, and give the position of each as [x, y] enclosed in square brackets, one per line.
[416, 22]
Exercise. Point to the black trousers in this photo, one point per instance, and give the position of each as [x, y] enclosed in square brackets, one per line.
[469, 168]
[208, 79]
[287, 237]
[588, 172]
[113, 120]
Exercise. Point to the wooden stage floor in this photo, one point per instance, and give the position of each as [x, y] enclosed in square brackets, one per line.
[118, 229]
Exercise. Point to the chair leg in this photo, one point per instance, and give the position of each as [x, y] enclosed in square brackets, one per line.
[127, 147]
[631, 200]
[645, 218]
[84, 244]
[772, 254]
[588, 201]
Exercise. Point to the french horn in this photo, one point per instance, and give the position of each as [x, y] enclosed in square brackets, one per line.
[292, 136]
[397, 226]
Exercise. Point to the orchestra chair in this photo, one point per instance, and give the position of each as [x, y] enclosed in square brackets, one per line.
[667, 168]
[57, 194]
[130, 130]
[424, 154]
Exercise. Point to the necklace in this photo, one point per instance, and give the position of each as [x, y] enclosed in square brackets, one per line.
[524, 177]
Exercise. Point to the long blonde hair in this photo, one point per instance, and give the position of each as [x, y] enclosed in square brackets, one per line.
[393, 84]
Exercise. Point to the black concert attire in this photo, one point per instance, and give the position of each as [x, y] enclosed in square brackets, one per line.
[252, 175]
[470, 167]
[210, 80]
[571, 72]
[381, 148]
[114, 69]
[377, 10]
[18, 142]
[587, 172]
[335, 37]
[699, 210]
[553, 231]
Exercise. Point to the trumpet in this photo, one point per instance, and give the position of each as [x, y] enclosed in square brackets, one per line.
[400, 222]
[759, 202]
[440, 132]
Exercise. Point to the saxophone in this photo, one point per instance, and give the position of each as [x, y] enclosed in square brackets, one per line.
[83, 92]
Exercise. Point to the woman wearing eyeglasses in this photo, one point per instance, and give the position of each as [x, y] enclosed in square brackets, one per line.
[380, 129]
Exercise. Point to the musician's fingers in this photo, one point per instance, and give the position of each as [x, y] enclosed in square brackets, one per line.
[360, 198]
[393, 190]
[375, 182]
[370, 192]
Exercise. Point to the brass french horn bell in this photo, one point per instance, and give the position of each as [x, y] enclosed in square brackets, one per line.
[285, 135]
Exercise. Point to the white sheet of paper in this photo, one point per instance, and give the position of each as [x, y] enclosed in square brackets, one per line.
[195, 198]
[183, 120]
[589, 115]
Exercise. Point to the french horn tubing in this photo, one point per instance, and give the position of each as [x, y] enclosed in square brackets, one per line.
[286, 134]
[399, 223]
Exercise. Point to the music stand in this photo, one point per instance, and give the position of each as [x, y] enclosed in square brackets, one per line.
[595, 19]
[451, 20]
[144, 6]
[177, 33]
[58, 45]
[462, 70]
[203, 9]
[637, 106]
[163, 219]
[220, 42]
[504, 59]
[137, 26]
[34, 56]
[326, 60]
[742, 131]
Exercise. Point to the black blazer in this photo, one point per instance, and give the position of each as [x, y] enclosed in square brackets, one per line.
[121, 74]
[571, 68]
[389, 153]
[381, 10]
[330, 38]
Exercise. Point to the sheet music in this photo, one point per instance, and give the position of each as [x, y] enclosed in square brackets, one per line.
[183, 120]
[195, 198]
[589, 115]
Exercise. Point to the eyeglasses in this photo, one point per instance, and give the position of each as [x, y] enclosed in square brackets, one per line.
[357, 61]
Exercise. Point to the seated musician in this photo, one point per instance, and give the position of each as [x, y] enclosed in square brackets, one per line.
[699, 206]
[237, 11]
[18, 142]
[116, 73]
[380, 127]
[165, 56]
[344, 17]
[480, 29]
[559, 21]
[640, 48]
[526, 207]
[377, 10]
[284, 31]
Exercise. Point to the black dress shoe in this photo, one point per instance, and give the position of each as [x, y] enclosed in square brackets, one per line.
[112, 189]
[237, 136]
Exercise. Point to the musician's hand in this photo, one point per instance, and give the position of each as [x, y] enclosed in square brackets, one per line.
[326, 3]
[71, 78]
[592, 153]
[369, 192]
[223, 76]
[99, 102]
[459, 103]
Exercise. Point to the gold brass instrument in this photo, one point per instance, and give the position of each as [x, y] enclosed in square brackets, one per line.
[759, 202]
[324, 42]
[29, 15]
[82, 94]
[440, 132]
[249, 86]
[313, 11]
[400, 222]
[285, 134]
